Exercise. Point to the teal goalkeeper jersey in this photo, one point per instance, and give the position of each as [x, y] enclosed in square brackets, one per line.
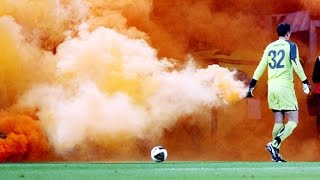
[281, 57]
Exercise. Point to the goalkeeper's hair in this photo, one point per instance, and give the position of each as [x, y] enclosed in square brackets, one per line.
[283, 29]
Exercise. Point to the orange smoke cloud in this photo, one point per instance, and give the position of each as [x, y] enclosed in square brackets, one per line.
[25, 139]
[312, 6]
[45, 21]
[19, 58]
[123, 75]
[195, 26]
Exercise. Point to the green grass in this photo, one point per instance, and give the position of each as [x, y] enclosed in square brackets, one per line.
[166, 170]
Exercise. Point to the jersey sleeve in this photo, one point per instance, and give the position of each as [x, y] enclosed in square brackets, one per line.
[294, 57]
[262, 66]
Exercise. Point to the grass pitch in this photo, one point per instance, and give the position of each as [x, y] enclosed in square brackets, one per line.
[165, 170]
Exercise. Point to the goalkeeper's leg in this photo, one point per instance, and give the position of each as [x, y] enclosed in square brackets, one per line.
[287, 128]
[276, 128]
[280, 137]
[278, 125]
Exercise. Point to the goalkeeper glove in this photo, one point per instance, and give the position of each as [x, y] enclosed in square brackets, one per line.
[250, 93]
[251, 87]
[306, 86]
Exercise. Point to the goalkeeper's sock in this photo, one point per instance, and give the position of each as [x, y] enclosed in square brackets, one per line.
[276, 128]
[284, 133]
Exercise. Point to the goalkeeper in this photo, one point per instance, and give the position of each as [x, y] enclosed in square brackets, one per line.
[281, 57]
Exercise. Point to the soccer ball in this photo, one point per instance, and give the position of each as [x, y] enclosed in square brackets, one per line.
[159, 154]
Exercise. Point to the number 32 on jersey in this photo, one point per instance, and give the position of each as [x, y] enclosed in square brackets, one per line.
[277, 58]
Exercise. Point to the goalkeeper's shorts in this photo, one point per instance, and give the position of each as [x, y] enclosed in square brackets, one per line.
[282, 98]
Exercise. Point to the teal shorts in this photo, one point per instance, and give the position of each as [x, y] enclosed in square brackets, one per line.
[282, 98]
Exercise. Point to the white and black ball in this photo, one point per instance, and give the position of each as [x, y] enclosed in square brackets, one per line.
[159, 154]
